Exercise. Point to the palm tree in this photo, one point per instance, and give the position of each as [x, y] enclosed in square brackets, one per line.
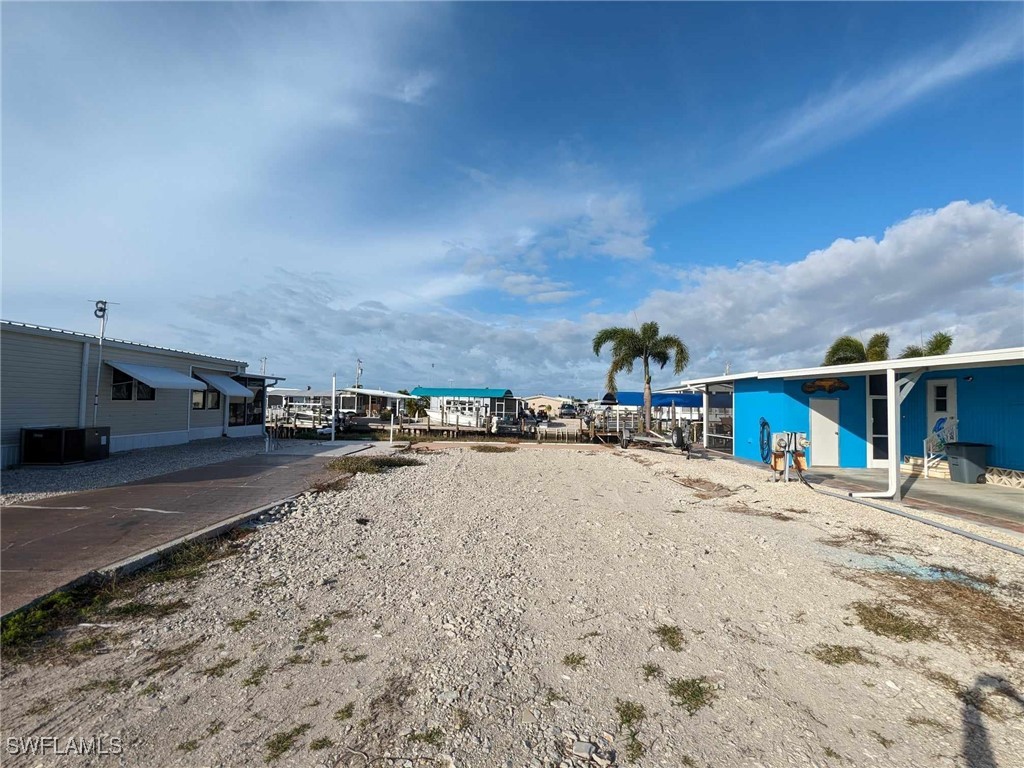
[938, 344]
[847, 349]
[630, 345]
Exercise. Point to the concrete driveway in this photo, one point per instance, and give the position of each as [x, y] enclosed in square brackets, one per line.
[51, 542]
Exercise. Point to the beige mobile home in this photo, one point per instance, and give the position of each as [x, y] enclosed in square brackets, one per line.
[147, 396]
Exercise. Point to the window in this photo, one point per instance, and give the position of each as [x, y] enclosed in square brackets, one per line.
[197, 400]
[941, 398]
[122, 387]
[212, 399]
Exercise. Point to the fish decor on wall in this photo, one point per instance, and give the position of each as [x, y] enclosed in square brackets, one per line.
[825, 385]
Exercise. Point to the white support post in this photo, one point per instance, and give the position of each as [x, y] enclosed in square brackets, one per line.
[892, 400]
[704, 411]
[334, 402]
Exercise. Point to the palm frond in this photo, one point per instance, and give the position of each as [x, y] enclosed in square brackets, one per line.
[912, 350]
[939, 343]
[878, 347]
[844, 350]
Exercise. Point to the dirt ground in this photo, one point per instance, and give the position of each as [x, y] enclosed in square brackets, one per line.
[554, 607]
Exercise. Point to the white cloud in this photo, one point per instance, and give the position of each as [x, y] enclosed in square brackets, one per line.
[415, 88]
[957, 269]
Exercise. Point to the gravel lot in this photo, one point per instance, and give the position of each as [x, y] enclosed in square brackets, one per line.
[31, 483]
[508, 609]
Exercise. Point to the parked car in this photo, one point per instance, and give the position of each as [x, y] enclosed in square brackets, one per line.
[567, 411]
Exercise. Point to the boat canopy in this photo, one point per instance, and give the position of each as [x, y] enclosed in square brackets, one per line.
[667, 399]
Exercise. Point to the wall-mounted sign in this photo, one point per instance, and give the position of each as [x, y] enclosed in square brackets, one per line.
[825, 385]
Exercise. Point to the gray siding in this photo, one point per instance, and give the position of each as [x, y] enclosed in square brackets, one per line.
[208, 418]
[40, 381]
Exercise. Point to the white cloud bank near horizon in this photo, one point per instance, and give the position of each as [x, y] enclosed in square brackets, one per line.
[958, 269]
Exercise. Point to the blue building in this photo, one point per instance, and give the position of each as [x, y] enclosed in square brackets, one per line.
[880, 414]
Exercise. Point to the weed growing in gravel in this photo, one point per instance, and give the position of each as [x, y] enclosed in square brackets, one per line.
[434, 737]
[86, 645]
[688, 761]
[343, 614]
[837, 655]
[829, 752]
[220, 668]
[139, 610]
[151, 690]
[552, 696]
[41, 707]
[371, 465]
[671, 636]
[321, 743]
[256, 676]
[693, 694]
[314, 633]
[214, 728]
[237, 625]
[113, 685]
[743, 509]
[189, 746]
[346, 712]
[881, 739]
[313, 703]
[298, 658]
[589, 635]
[493, 448]
[352, 658]
[574, 660]
[882, 621]
[631, 715]
[652, 671]
[462, 719]
[914, 720]
[281, 742]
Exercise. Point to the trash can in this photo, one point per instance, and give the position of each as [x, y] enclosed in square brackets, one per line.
[967, 462]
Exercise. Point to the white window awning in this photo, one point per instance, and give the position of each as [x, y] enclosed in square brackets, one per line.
[225, 384]
[156, 376]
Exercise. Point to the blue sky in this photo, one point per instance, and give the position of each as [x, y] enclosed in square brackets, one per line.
[470, 191]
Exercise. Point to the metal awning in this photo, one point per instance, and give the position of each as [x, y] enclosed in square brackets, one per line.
[224, 384]
[157, 377]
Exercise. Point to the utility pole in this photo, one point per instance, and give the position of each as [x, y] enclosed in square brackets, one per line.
[359, 371]
[263, 366]
[101, 312]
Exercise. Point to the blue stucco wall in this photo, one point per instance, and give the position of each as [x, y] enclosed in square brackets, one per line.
[990, 409]
[787, 409]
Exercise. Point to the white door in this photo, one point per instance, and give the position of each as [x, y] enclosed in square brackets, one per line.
[941, 401]
[824, 432]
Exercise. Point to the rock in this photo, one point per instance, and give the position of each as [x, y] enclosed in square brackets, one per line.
[583, 749]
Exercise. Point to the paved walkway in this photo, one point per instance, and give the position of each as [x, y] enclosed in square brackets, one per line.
[51, 542]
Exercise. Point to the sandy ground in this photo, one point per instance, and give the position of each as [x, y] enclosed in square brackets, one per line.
[500, 609]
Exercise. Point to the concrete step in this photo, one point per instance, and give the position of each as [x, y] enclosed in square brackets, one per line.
[913, 465]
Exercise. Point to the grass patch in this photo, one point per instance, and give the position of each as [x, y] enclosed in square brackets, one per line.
[837, 655]
[574, 660]
[143, 610]
[693, 694]
[346, 712]
[652, 671]
[41, 707]
[371, 465]
[966, 606]
[298, 658]
[883, 621]
[151, 690]
[33, 634]
[635, 749]
[630, 714]
[829, 752]
[321, 743]
[237, 625]
[493, 448]
[189, 746]
[220, 668]
[671, 636]
[314, 633]
[86, 645]
[434, 737]
[214, 728]
[256, 676]
[281, 742]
